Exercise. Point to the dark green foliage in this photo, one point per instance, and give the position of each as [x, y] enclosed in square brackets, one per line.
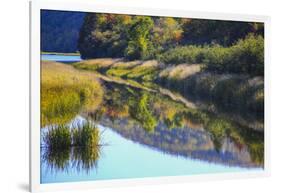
[103, 35]
[200, 31]
[60, 30]
[133, 37]
[139, 45]
[245, 57]
[183, 54]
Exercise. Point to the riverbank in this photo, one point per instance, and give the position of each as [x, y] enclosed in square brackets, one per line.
[239, 97]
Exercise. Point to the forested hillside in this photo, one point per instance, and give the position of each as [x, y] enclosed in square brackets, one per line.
[60, 30]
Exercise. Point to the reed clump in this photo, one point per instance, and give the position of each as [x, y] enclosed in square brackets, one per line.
[85, 135]
[58, 137]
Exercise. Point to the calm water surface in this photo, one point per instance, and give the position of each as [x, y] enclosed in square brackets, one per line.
[163, 138]
[60, 58]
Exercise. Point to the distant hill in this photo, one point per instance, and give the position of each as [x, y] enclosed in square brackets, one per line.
[60, 30]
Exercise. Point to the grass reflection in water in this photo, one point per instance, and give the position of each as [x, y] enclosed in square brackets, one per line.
[76, 146]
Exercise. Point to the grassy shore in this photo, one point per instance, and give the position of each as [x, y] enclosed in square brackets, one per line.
[65, 92]
[236, 93]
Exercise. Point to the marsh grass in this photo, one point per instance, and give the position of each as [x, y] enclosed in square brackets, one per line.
[137, 70]
[57, 137]
[86, 141]
[85, 135]
[72, 146]
[81, 134]
[96, 64]
[65, 92]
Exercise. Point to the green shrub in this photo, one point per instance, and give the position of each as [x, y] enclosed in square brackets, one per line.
[217, 58]
[183, 54]
[244, 57]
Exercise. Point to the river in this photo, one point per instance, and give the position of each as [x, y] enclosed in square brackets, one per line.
[165, 138]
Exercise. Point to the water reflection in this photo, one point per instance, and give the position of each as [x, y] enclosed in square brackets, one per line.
[76, 145]
[168, 126]
[79, 158]
[165, 126]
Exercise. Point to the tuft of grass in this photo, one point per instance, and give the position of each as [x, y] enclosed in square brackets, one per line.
[85, 135]
[63, 136]
[57, 137]
[72, 146]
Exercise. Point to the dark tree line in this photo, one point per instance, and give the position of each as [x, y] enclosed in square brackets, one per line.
[60, 30]
[143, 37]
[224, 33]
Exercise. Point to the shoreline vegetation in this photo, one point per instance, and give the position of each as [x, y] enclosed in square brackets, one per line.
[61, 53]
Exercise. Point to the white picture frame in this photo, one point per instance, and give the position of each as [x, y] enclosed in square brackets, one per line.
[87, 6]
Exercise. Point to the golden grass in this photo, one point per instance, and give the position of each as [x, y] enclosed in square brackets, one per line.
[66, 91]
[96, 64]
[181, 71]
